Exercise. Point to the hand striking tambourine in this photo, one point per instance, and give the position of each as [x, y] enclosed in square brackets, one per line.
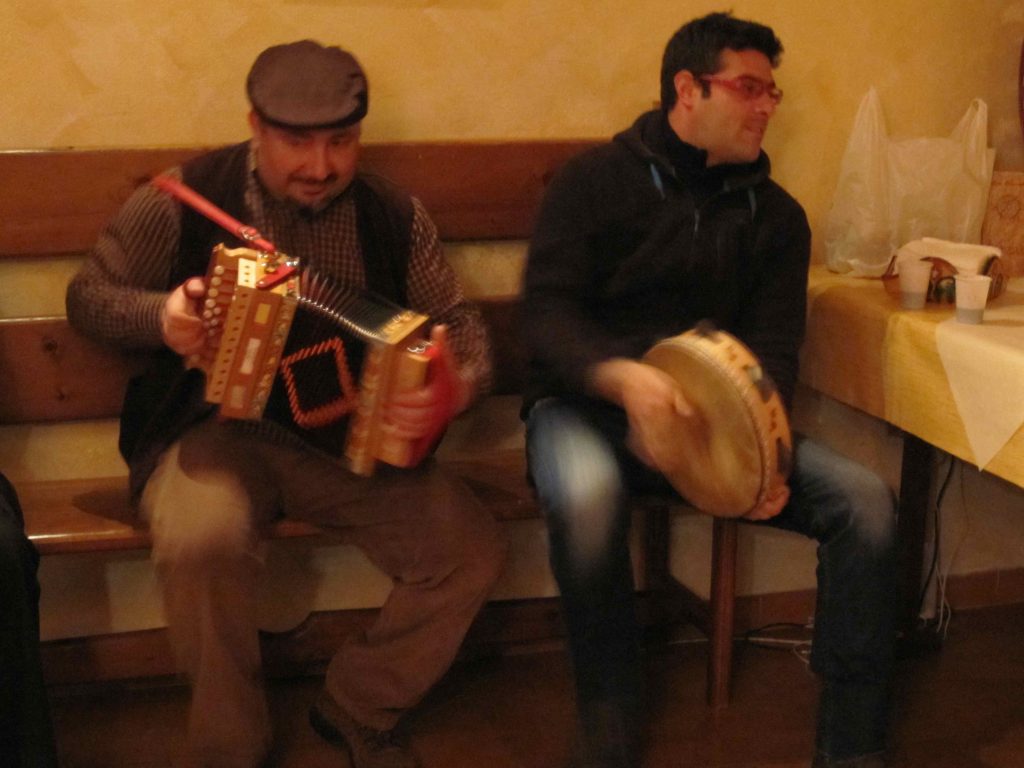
[736, 447]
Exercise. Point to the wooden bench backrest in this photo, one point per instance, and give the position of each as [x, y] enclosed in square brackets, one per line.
[55, 203]
[49, 372]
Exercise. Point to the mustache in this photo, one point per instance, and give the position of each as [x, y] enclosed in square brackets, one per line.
[328, 179]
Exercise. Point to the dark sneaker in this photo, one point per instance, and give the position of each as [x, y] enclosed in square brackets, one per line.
[607, 737]
[367, 747]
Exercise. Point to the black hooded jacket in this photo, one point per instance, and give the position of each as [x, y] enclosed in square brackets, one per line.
[637, 241]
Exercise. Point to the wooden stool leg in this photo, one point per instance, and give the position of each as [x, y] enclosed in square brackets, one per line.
[723, 597]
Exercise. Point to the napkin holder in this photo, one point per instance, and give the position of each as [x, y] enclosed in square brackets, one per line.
[948, 260]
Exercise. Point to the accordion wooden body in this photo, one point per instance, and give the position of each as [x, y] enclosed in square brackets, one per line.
[320, 360]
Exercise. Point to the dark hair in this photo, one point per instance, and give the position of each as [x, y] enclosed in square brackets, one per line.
[697, 45]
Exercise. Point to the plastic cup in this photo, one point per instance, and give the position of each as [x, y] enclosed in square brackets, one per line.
[971, 297]
[915, 276]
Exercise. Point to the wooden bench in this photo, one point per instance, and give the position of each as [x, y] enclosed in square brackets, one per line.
[53, 205]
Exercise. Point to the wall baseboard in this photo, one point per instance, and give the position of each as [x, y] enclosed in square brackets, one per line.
[506, 626]
[502, 627]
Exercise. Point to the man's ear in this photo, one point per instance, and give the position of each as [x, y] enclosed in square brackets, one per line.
[686, 86]
[255, 125]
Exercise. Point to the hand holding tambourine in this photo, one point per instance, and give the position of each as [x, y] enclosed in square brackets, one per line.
[730, 452]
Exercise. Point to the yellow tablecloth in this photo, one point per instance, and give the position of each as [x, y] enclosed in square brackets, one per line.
[865, 351]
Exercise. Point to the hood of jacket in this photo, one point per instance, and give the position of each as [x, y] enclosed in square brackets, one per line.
[649, 140]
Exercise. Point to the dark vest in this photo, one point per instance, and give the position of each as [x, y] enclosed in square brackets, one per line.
[167, 399]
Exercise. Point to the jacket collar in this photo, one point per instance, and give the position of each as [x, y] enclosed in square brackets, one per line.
[654, 142]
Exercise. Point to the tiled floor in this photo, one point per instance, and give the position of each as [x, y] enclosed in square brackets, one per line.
[961, 708]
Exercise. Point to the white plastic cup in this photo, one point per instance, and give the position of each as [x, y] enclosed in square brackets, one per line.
[971, 297]
[915, 276]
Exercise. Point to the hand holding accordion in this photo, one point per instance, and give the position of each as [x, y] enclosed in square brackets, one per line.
[322, 360]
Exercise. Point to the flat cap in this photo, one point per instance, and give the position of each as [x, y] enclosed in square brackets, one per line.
[308, 85]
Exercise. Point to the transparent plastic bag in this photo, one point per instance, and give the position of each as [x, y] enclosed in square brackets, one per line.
[893, 191]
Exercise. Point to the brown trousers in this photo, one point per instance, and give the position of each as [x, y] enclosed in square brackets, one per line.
[206, 504]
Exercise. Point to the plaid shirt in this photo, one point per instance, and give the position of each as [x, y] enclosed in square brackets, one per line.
[118, 295]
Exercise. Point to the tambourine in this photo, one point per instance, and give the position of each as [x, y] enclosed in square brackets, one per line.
[736, 447]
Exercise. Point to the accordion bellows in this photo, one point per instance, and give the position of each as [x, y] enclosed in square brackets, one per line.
[320, 359]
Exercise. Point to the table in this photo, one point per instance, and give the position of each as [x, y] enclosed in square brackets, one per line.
[945, 385]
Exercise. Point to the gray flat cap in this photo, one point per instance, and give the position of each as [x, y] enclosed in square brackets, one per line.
[308, 85]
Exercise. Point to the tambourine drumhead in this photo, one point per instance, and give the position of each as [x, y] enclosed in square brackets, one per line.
[737, 447]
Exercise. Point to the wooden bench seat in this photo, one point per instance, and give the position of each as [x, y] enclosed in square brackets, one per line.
[474, 191]
[58, 375]
[95, 514]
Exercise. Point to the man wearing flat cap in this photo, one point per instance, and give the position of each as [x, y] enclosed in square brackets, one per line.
[207, 486]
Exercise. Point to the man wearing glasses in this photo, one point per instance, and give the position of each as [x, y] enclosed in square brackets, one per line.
[676, 221]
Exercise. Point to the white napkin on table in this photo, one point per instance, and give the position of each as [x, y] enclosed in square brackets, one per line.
[985, 368]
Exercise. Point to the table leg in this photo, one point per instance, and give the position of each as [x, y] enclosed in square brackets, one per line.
[915, 490]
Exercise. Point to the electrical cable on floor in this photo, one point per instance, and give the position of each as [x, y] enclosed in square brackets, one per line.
[937, 526]
[799, 647]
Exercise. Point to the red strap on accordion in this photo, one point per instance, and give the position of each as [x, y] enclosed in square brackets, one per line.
[181, 191]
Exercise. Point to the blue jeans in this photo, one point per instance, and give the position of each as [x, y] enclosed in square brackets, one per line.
[26, 734]
[585, 476]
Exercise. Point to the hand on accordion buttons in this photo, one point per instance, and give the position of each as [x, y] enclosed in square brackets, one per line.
[421, 412]
[181, 322]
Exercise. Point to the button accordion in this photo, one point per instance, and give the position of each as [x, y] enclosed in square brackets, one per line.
[321, 360]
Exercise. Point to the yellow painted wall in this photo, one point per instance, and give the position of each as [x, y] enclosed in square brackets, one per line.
[147, 72]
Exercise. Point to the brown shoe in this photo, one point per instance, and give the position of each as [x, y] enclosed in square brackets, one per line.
[367, 747]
